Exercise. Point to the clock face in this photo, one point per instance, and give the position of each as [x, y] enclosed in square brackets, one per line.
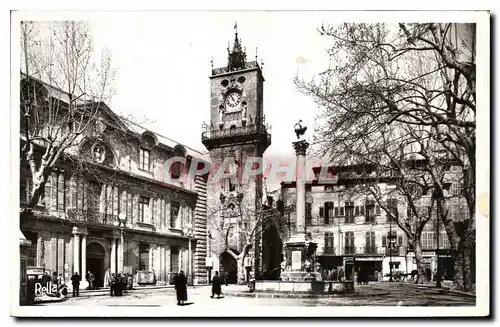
[233, 100]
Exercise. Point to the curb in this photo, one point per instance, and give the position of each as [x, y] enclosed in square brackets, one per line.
[301, 296]
[91, 293]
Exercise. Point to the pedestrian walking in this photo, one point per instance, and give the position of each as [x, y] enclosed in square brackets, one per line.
[92, 281]
[216, 285]
[112, 284]
[120, 281]
[180, 283]
[75, 280]
[341, 274]
[333, 275]
[439, 279]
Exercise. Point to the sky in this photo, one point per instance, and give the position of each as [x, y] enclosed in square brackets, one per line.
[163, 63]
[163, 66]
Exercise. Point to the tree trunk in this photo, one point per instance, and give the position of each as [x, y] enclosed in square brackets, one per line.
[457, 248]
[469, 252]
[464, 279]
[241, 271]
[418, 258]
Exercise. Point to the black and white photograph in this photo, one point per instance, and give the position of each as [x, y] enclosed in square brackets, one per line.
[250, 163]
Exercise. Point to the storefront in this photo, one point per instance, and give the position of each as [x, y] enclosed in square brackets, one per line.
[369, 266]
[24, 245]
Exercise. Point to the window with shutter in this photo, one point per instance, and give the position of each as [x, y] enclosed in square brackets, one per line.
[336, 211]
[377, 209]
[356, 211]
[321, 212]
[400, 240]
[370, 243]
[349, 212]
[361, 210]
[341, 211]
[384, 240]
[349, 243]
[308, 214]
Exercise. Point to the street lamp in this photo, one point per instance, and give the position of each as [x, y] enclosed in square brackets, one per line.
[188, 231]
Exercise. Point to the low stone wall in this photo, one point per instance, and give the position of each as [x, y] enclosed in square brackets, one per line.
[312, 287]
[300, 276]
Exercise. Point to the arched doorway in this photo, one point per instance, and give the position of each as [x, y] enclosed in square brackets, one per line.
[229, 266]
[95, 262]
[272, 255]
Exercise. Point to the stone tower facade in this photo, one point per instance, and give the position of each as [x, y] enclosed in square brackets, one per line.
[237, 138]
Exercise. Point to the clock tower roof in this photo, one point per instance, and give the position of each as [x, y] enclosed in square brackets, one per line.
[237, 57]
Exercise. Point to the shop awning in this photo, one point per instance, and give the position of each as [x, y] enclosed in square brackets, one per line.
[22, 239]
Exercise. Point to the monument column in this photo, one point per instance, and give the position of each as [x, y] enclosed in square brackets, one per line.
[299, 250]
[300, 178]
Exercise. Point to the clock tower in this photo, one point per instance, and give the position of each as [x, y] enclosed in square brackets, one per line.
[237, 138]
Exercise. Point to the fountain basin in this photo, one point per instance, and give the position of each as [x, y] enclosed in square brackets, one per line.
[311, 287]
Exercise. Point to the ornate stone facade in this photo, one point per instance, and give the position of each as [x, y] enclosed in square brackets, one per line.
[113, 205]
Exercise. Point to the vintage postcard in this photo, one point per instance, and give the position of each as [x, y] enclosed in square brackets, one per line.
[250, 163]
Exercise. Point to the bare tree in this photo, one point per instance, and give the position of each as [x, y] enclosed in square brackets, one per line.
[62, 93]
[418, 80]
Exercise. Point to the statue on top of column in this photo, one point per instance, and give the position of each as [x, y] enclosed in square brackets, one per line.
[300, 129]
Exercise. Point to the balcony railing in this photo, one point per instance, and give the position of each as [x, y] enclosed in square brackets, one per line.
[91, 216]
[215, 133]
[329, 250]
[395, 251]
[369, 250]
[349, 250]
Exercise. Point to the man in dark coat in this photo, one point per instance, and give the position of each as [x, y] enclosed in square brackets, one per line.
[180, 283]
[75, 280]
[216, 285]
[120, 284]
[112, 284]
[46, 279]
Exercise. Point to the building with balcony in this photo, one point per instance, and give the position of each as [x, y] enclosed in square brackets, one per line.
[112, 204]
[352, 231]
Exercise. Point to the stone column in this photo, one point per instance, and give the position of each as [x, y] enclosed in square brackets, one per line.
[76, 250]
[300, 174]
[84, 254]
[120, 252]
[150, 257]
[112, 258]
[85, 283]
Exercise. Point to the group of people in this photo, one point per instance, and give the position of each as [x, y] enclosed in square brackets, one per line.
[56, 280]
[180, 282]
[117, 283]
[334, 274]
